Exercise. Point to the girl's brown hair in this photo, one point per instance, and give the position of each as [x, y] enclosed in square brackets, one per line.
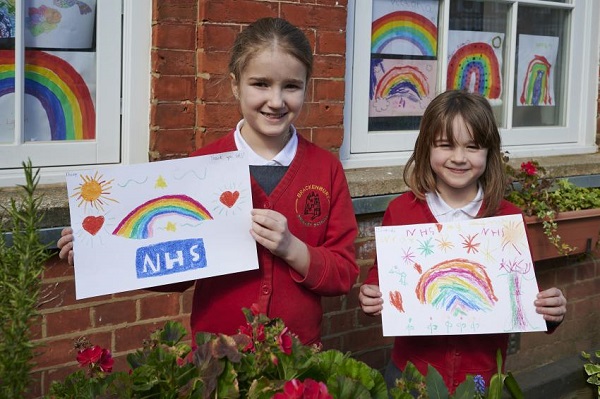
[269, 32]
[477, 114]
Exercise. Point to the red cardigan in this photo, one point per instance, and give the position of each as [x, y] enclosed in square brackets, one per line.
[454, 356]
[313, 195]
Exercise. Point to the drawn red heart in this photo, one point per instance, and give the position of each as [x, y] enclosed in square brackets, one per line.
[229, 198]
[93, 224]
[439, 227]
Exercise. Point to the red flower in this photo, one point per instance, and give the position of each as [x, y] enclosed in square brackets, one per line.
[96, 356]
[309, 389]
[285, 341]
[89, 356]
[260, 333]
[255, 309]
[247, 330]
[529, 168]
[106, 361]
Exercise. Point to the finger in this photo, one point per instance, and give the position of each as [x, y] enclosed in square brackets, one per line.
[66, 231]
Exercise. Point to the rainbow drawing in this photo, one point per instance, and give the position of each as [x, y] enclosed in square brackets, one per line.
[404, 81]
[60, 89]
[406, 26]
[457, 286]
[138, 223]
[536, 87]
[475, 67]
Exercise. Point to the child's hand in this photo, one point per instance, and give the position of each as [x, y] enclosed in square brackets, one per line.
[65, 244]
[270, 229]
[370, 299]
[552, 304]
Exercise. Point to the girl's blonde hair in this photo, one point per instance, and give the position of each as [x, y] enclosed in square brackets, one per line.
[477, 114]
[269, 32]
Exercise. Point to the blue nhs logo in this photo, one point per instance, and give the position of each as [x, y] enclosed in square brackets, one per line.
[170, 258]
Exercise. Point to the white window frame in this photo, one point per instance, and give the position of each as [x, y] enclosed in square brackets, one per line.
[127, 125]
[362, 149]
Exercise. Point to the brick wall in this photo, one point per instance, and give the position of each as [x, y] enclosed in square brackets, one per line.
[191, 106]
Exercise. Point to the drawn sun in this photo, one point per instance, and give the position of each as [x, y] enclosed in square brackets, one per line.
[93, 191]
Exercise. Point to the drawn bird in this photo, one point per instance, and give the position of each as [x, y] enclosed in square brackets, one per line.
[83, 7]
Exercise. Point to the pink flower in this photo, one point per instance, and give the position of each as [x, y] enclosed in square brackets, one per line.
[309, 389]
[529, 168]
[255, 309]
[285, 341]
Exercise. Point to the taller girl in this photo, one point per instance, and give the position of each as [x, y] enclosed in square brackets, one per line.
[455, 173]
[303, 221]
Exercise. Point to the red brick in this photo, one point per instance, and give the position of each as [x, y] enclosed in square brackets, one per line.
[174, 116]
[338, 323]
[213, 38]
[331, 42]
[174, 62]
[586, 271]
[55, 268]
[159, 306]
[132, 336]
[322, 114]
[55, 353]
[213, 63]
[175, 10]
[336, 3]
[113, 313]
[319, 17]
[328, 89]
[174, 36]
[583, 290]
[178, 141]
[238, 11]
[329, 66]
[174, 88]
[67, 321]
[566, 275]
[216, 89]
[329, 138]
[217, 115]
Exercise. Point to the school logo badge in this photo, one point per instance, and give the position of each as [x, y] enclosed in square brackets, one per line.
[312, 205]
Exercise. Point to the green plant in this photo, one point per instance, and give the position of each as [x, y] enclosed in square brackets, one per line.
[592, 369]
[21, 264]
[264, 360]
[413, 384]
[531, 189]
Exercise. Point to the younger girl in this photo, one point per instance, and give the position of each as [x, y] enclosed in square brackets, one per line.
[455, 173]
[303, 221]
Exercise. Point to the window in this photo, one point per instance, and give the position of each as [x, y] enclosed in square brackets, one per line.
[536, 61]
[67, 85]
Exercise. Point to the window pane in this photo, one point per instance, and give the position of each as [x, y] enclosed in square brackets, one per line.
[540, 67]
[7, 71]
[60, 70]
[404, 63]
[476, 50]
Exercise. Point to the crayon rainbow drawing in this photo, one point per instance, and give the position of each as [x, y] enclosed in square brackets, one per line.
[59, 88]
[536, 86]
[406, 81]
[458, 286]
[404, 26]
[138, 224]
[474, 67]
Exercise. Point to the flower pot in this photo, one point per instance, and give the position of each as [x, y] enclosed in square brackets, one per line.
[579, 229]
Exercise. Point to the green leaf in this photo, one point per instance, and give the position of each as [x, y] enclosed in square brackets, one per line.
[513, 387]
[436, 389]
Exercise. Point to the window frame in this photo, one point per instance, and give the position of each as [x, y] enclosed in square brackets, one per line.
[130, 145]
[361, 149]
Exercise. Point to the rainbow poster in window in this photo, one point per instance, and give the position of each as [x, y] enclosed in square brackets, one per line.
[60, 90]
[536, 70]
[146, 225]
[401, 87]
[405, 28]
[457, 278]
[475, 63]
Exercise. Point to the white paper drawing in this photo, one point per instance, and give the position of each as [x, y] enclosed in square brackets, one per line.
[139, 226]
[536, 69]
[469, 277]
